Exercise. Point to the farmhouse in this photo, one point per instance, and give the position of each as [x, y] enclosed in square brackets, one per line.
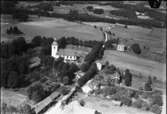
[66, 54]
[121, 47]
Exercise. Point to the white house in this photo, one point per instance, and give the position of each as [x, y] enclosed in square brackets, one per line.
[86, 88]
[121, 47]
[99, 65]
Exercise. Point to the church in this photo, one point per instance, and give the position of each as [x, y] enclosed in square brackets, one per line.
[68, 56]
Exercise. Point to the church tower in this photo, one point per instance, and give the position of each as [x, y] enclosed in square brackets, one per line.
[54, 51]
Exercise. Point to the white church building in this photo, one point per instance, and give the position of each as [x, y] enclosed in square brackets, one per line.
[56, 54]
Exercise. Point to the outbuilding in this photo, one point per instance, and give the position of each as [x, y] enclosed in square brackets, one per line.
[121, 47]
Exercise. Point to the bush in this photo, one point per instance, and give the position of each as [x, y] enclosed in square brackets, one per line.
[36, 92]
[64, 90]
[98, 11]
[157, 99]
[145, 106]
[147, 87]
[116, 97]
[156, 109]
[82, 102]
[109, 91]
[110, 70]
[136, 48]
[65, 80]
[89, 8]
[26, 109]
[137, 103]
[126, 100]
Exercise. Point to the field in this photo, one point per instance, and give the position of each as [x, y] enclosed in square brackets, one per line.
[106, 107]
[152, 41]
[12, 98]
[52, 27]
[135, 64]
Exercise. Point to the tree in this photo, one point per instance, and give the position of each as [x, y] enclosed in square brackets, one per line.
[148, 84]
[26, 109]
[36, 41]
[90, 8]
[13, 30]
[82, 102]
[20, 45]
[98, 11]
[62, 42]
[73, 14]
[93, 55]
[128, 78]
[88, 75]
[65, 80]
[149, 80]
[13, 79]
[4, 76]
[36, 92]
[101, 53]
[46, 46]
[136, 48]
[84, 67]
[34, 76]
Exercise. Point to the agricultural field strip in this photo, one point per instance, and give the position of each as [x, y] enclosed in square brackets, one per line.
[137, 64]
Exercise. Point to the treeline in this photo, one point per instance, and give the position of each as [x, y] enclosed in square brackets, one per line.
[87, 43]
[95, 10]
[16, 47]
[89, 66]
[13, 72]
[22, 14]
[140, 8]
[130, 14]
